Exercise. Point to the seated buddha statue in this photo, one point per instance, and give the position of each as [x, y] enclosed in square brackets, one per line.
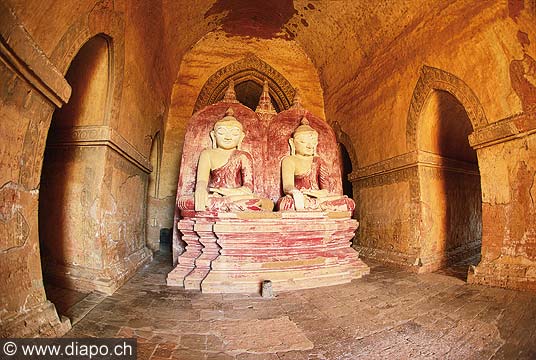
[224, 179]
[305, 176]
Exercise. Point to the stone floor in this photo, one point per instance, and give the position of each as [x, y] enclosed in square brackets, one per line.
[63, 299]
[73, 304]
[389, 314]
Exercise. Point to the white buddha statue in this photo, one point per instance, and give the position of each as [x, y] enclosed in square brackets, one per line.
[305, 176]
[224, 180]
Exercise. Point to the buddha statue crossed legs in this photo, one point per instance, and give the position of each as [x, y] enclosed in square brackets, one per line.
[305, 176]
[225, 173]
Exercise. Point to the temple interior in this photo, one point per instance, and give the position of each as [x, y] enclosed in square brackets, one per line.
[432, 107]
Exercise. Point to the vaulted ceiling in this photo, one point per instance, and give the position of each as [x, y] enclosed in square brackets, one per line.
[343, 38]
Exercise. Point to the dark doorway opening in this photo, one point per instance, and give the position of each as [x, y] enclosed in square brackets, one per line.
[451, 187]
[68, 185]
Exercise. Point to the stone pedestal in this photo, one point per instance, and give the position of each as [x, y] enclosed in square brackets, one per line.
[210, 251]
[186, 261]
[294, 250]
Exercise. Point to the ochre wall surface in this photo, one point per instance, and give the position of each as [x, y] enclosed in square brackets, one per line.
[469, 52]
[111, 150]
[369, 66]
[509, 212]
[451, 223]
[474, 44]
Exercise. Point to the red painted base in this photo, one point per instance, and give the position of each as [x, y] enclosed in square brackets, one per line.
[295, 250]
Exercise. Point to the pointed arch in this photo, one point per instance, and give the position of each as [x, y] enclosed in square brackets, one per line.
[344, 139]
[101, 21]
[436, 79]
[109, 24]
[250, 68]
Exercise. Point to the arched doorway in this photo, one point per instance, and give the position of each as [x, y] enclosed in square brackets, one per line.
[449, 186]
[348, 163]
[70, 180]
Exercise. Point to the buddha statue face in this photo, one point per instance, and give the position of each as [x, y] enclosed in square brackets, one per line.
[304, 140]
[305, 143]
[228, 134]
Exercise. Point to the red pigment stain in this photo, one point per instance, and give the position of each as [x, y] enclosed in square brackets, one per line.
[256, 19]
[523, 38]
[515, 7]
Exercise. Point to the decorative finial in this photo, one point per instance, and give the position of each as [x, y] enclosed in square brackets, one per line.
[230, 94]
[265, 107]
[296, 102]
[304, 121]
[229, 112]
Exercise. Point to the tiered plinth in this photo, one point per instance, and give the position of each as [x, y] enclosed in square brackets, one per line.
[294, 250]
[186, 261]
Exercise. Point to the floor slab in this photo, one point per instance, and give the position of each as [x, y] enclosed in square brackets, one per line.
[389, 314]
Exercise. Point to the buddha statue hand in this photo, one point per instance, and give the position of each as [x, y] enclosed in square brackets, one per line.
[316, 193]
[231, 191]
[200, 197]
[299, 199]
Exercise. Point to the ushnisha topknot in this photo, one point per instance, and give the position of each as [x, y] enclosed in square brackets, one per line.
[304, 127]
[229, 119]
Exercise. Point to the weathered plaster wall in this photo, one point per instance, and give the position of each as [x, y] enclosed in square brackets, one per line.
[381, 233]
[25, 117]
[475, 46]
[122, 210]
[451, 222]
[118, 149]
[476, 49]
[213, 52]
[509, 212]
[365, 61]
[68, 202]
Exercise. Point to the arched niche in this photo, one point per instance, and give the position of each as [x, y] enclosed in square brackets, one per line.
[444, 111]
[102, 21]
[89, 77]
[108, 24]
[444, 128]
[155, 158]
[70, 178]
[348, 158]
[91, 56]
[344, 139]
[248, 75]
[436, 79]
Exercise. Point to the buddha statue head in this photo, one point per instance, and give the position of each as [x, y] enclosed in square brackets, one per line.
[227, 133]
[304, 139]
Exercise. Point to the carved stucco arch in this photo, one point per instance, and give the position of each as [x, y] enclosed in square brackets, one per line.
[248, 68]
[104, 21]
[109, 24]
[435, 79]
